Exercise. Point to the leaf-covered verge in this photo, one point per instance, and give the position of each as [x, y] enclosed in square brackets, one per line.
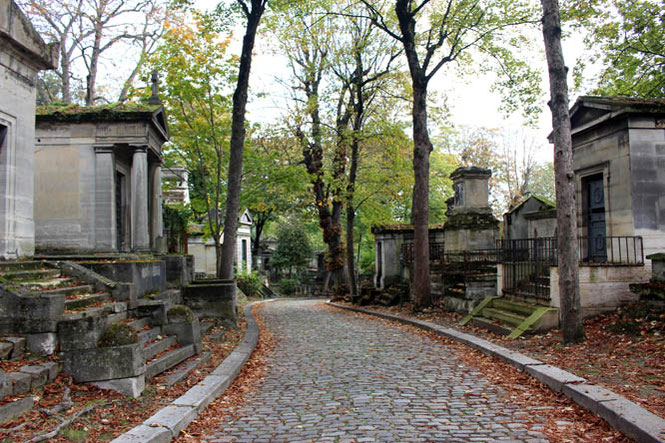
[624, 350]
[114, 414]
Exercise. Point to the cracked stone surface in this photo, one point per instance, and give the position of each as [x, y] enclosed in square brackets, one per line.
[336, 376]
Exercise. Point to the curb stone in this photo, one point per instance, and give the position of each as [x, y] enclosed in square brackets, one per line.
[167, 423]
[627, 417]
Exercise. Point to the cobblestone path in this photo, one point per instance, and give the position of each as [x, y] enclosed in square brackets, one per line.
[335, 376]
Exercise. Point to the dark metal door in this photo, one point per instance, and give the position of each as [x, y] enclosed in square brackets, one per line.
[118, 210]
[596, 220]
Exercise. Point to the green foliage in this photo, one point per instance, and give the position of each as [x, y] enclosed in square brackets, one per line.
[249, 283]
[180, 314]
[288, 286]
[639, 319]
[176, 219]
[293, 248]
[626, 38]
[118, 334]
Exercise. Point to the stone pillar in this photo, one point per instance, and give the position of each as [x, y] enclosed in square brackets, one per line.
[105, 210]
[156, 223]
[140, 200]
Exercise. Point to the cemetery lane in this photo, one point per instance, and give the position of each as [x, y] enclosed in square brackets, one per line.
[335, 376]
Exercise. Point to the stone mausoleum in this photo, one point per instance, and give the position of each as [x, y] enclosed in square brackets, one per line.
[23, 54]
[98, 178]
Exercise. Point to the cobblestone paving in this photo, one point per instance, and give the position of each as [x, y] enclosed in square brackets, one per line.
[335, 376]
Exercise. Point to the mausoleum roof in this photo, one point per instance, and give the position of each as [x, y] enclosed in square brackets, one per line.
[109, 112]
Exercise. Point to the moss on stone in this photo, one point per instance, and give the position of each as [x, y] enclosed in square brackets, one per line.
[180, 314]
[118, 334]
[471, 220]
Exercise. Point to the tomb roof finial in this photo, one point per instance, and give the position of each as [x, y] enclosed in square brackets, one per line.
[154, 98]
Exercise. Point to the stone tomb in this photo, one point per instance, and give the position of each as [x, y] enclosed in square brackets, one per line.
[98, 178]
[23, 54]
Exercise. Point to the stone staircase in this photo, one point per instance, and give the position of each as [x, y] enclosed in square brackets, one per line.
[512, 318]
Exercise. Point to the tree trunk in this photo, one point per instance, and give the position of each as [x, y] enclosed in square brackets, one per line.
[566, 208]
[238, 140]
[420, 282]
[91, 81]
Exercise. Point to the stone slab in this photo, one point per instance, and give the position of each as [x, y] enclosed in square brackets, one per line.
[552, 376]
[588, 396]
[21, 382]
[202, 394]
[188, 367]
[145, 434]
[15, 408]
[42, 343]
[5, 350]
[130, 386]
[633, 420]
[38, 373]
[174, 418]
[53, 369]
[19, 347]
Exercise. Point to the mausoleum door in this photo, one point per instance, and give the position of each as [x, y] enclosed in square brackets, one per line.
[596, 220]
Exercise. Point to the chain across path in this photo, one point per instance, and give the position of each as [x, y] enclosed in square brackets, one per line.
[337, 376]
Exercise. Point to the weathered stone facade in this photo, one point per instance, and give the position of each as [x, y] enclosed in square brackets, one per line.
[98, 178]
[620, 144]
[23, 54]
[532, 218]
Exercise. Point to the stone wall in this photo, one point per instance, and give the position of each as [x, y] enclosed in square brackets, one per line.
[602, 288]
[22, 55]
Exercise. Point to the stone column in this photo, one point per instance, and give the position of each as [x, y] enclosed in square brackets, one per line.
[105, 210]
[156, 223]
[140, 200]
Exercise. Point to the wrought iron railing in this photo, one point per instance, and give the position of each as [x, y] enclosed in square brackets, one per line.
[527, 261]
[602, 251]
[436, 251]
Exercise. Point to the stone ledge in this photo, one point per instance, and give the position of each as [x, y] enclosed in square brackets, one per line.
[167, 423]
[622, 414]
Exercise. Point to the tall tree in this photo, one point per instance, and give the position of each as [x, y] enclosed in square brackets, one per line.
[252, 11]
[566, 211]
[626, 38]
[88, 30]
[197, 100]
[452, 29]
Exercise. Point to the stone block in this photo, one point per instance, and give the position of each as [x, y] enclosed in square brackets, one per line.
[552, 376]
[5, 350]
[83, 333]
[145, 434]
[105, 363]
[53, 369]
[19, 347]
[130, 386]
[217, 298]
[5, 385]
[633, 420]
[38, 373]
[205, 392]
[174, 418]
[21, 382]
[13, 409]
[42, 343]
[40, 313]
[588, 396]
[186, 333]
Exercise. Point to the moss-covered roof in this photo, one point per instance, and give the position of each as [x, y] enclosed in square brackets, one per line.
[549, 204]
[401, 227]
[109, 112]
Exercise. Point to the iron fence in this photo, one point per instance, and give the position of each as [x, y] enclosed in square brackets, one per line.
[436, 252]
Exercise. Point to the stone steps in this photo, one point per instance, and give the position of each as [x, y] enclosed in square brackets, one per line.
[149, 334]
[154, 348]
[31, 274]
[168, 360]
[186, 367]
[140, 323]
[503, 316]
[18, 265]
[86, 300]
[70, 290]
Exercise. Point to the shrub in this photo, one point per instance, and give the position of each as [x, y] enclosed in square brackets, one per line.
[118, 334]
[288, 286]
[250, 284]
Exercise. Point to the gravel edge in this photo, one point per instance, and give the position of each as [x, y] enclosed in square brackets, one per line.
[625, 416]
